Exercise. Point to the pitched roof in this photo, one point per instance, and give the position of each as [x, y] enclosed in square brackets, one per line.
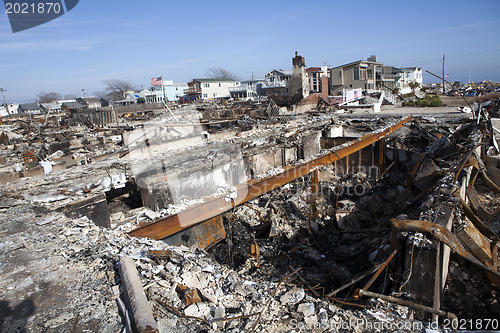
[313, 69]
[359, 61]
[90, 99]
[51, 106]
[282, 71]
[74, 105]
[30, 106]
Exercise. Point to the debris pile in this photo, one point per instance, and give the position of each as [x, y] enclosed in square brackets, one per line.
[309, 223]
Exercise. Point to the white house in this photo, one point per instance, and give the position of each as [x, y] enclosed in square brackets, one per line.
[51, 107]
[12, 109]
[208, 89]
[410, 74]
[247, 90]
[314, 75]
[277, 78]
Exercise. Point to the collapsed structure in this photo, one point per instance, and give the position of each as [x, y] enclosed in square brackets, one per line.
[249, 217]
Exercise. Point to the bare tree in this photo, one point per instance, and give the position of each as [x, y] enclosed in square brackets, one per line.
[50, 97]
[221, 73]
[118, 88]
[70, 96]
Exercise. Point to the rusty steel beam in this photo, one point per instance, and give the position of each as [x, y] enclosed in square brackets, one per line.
[483, 228]
[254, 188]
[444, 235]
[202, 235]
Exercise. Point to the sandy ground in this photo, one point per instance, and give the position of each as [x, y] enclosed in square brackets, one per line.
[450, 110]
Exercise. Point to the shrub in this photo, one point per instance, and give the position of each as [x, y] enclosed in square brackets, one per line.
[423, 102]
[435, 101]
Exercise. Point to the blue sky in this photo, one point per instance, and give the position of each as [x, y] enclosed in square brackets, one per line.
[138, 40]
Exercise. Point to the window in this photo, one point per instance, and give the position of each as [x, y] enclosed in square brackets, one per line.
[215, 94]
[219, 84]
[205, 95]
[206, 85]
[359, 73]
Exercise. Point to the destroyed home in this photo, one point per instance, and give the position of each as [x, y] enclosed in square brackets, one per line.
[172, 218]
[278, 191]
[90, 102]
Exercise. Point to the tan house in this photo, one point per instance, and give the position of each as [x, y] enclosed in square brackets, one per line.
[365, 74]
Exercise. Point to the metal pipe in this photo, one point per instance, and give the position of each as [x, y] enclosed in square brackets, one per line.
[141, 309]
[380, 270]
[403, 302]
[354, 280]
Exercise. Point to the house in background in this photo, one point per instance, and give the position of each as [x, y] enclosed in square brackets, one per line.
[208, 89]
[11, 108]
[51, 107]
[373, 75]
[247, 90]
[409, 75]
[130, 98]
[72, 105]
[174, 91]
[276, 82]
[164, 90]
[359, 74]
[30, 108]
[90, 102]
[315, 75]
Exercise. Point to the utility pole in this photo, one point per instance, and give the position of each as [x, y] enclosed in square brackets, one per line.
[5, 100]
[83, 90]
[163, 91]
[443, 74]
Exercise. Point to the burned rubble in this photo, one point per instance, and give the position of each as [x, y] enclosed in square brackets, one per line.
[228, 218]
